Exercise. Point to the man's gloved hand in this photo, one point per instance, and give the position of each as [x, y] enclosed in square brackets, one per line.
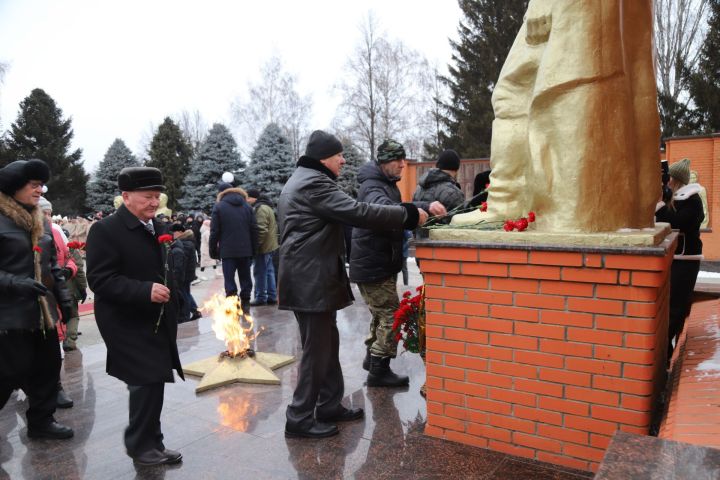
[66, 273]
[29, 287]
[66, 311]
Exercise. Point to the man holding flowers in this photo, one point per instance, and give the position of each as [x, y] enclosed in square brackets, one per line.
[136, 304]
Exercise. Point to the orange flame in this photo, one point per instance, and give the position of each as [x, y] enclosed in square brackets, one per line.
[230, 323]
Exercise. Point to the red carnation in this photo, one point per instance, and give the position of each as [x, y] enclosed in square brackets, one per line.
[521, 224]
[483, 207]
[531, 217]
[166, 238]
[509, 226]
[37, 249]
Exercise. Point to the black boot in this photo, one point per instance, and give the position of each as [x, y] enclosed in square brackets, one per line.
[366, 361]
[380, 374]
[63, 401]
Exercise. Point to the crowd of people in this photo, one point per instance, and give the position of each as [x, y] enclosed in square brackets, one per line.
[141, 263]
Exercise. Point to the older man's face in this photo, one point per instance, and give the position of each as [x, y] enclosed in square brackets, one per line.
[29, 194]
[334, 163]
[142, 204]
[393, 169]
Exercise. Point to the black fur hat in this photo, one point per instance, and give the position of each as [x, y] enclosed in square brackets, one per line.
[15, 175]
[133, 179]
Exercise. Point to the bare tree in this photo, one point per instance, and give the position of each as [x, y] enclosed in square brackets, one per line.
[193, 127]
[383, 92]
[678, 38]
[273, 100]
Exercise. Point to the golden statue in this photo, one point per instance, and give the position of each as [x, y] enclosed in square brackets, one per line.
[163, 209]
[703, 197]
[576, 130]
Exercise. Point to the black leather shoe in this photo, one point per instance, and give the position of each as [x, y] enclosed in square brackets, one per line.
[346, 415]
[63, 401]
[257, 303]
[156, 457]
[172, 455]
[318, 430]
[195, 315]
[52, 430]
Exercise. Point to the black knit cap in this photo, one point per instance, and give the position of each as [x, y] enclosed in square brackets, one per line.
[390, 150]
[322, 145]
[253, 193]
[133, 179]
[448, 160]
[15, 175]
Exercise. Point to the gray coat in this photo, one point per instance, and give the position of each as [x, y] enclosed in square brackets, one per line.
[311, 213]
[437, 185]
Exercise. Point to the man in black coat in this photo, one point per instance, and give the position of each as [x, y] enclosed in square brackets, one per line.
[234, 239]
[136, 303]
[312, 280]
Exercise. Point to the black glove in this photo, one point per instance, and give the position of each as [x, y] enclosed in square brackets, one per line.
[29, 287]
[66, 273]
[66, 311]
[83, 295]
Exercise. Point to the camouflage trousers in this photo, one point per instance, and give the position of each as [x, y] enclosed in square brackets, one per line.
[382, 299]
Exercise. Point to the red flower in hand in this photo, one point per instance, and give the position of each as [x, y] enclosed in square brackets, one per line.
[166, 238]
[37, 249]
[483, 207]
[531, 217]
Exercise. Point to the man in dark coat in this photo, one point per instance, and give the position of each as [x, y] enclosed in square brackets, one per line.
[136, 303]
[234, 239]
[312, 280]
[31, 288]
[377, 257]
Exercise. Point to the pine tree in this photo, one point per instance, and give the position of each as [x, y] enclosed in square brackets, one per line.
[103, 188]
[216, 154]
[170, 152]
[40, 132]
[271, 162]
[347, 181]
[486, 34]
[704, 82]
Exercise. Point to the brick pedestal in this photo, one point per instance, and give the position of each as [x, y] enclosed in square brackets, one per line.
[544, 352]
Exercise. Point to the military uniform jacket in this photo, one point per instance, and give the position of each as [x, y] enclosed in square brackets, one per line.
[123, 261]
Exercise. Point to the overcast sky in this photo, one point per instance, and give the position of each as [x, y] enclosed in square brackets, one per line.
[115, 67]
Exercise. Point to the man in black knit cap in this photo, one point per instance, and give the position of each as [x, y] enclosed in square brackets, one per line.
[312, 279]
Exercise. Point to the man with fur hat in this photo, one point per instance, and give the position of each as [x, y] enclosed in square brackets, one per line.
[684, 211]
[31, 289]
[440, 183]
[136, 305]
[313, 283]
[376, 258]
[234, 239]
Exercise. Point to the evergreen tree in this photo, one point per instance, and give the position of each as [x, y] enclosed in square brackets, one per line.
[41, 132]
[103, 188]
[486, 34]
[704, 82]
[271, 162]
[216, 154]
[347, 181]
[170, 152]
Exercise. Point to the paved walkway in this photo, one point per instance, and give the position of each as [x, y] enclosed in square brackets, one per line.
[237, 431]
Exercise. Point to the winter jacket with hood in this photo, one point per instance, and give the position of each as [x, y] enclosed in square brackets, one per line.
[377, 254]
[267, 225]
[233, 229]
[685, 215]
[437, 185]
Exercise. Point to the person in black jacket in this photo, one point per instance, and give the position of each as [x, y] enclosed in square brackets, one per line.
[684, 211]
[32, 288]
[136, 307]
[312, 280]
[234, 239]
[376, 259]
[185, 255]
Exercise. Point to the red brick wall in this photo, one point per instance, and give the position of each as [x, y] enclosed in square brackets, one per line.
[543, 354]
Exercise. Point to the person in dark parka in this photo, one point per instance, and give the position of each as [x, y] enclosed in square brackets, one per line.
[234, 239]
[313, 282]
[32, 288]
[126, 269]
[684, 211]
